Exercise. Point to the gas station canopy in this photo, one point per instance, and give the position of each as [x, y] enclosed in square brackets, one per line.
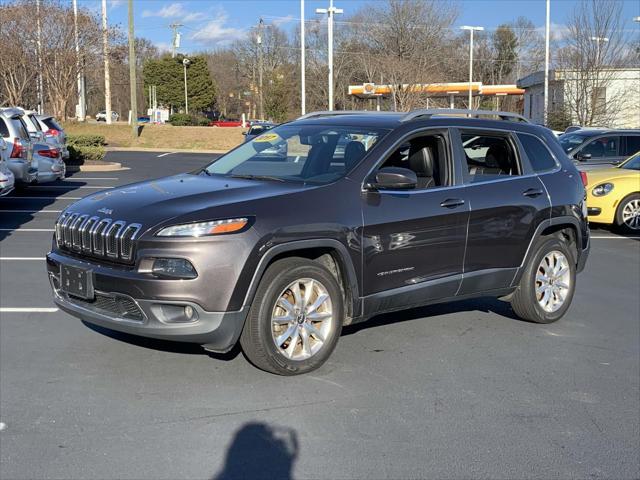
[371, 90]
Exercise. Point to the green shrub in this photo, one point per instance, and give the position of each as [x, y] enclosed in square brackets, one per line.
[79, 154]
[86, 140]
[201, 121]
[180, 119]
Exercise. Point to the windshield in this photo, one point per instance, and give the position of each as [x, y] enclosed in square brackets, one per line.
[316, 154]
[632, 163]
[571, 141]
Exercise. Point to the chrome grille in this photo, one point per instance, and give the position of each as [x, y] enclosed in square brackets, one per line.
[95, 236]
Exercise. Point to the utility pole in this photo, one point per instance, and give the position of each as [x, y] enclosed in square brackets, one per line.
[471, 30]
[260, 69]
[80, 75]
[175, 42]
[303, 100]
[330, 12]
[132, 74]
[547, 35]
[105, 50]
[39, 54]
[598, 41]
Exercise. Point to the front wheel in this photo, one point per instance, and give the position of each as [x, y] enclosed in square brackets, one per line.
[628, 214]
[547, 284]
[295, 319]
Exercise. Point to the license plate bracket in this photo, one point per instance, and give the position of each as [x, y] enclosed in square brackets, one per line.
[77, 281]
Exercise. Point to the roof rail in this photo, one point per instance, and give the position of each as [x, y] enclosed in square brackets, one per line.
[514, 117]
[331, 113]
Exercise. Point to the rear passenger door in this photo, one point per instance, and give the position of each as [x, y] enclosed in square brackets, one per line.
[507, 203]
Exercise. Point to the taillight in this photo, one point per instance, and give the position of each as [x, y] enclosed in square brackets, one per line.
[52, 131]
[50, 153]
[18, 150]
[583, 176]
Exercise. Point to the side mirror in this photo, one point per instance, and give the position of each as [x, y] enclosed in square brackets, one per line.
[581, 157]
[394, 178]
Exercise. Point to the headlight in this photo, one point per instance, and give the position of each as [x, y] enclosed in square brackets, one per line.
[602, 189]
[203, 229]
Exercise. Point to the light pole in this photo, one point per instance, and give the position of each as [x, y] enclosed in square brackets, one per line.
[330, 12]
[260, 68]
[132, 73]
[303, 104]
[105, 50]
[185, 63]
[598, 41]
[547, 35]
[80, 70]
[471, 30]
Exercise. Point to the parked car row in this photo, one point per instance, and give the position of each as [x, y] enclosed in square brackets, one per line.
[34, 148]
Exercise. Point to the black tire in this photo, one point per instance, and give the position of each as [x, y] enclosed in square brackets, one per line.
[257, 339]
[524, 300]
[620, 225]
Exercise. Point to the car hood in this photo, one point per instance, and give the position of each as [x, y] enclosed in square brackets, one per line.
[158, 201]
[596, 177]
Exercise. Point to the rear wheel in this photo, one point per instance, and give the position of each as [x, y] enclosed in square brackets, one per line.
[295, 319]
[628, 214]
[548, 283]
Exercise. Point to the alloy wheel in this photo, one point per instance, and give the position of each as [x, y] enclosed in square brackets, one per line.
[631, 214]
[553, 281]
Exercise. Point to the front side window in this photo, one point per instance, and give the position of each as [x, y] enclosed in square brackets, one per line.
[489, 156]
[538, 154]
[632, 144]
[571, 141]
[315, 154]
[602, 147]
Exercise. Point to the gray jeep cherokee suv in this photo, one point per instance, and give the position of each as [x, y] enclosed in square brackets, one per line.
[327, 221]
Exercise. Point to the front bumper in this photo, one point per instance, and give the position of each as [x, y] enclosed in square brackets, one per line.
[216, 331]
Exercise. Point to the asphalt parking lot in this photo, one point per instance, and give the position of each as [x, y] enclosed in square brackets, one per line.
[462, 390]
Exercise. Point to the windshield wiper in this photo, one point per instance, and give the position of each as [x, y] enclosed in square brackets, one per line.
[257, 177]
[204, 170]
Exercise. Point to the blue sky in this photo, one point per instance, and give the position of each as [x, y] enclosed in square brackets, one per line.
[210, 24]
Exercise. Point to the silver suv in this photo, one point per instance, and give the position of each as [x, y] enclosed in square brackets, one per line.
[14, 132]
[47, 151]
[7, 180]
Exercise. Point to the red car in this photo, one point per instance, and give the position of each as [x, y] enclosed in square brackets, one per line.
[226, 123]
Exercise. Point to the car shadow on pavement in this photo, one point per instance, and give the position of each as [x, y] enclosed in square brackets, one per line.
[483, 304]
[259, 450]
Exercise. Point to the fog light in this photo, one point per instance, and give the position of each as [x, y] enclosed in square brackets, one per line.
[189, 312]
[173, 268]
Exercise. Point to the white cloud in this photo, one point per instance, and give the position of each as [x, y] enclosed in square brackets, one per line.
[215, 31]
[278, 21]
[115, 3]
[169, 11]
[193, 17]
[559, 31]
[163, 47]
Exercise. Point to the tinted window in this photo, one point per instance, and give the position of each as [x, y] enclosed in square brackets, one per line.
[633, 145]
[51, 123]
[602, 147]
[4, 130]
[20, 128]
[539, 156]
[571, 141]
[35, 122]
[489, 157]
[633, 163]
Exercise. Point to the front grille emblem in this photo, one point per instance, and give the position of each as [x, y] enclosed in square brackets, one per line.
[106, 211]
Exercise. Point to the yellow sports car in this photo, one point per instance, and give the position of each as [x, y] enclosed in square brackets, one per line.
[613, 195]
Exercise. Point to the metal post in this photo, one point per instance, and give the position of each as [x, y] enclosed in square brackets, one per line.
[303, 102]
[39, 54]
[471, 30]
[185, 62]
[174, 41]
[105, 49]
[330, 12]
[546, 63]
[260, 68]
[132, 74]
[81, 100]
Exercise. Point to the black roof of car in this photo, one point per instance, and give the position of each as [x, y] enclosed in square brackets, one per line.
[591, 132]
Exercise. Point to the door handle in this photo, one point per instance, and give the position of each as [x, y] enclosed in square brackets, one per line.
[532, 192]
[452, 203]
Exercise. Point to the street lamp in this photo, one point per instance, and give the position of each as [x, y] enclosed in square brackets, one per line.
[471, 30]
[598, 41]
[330, 12]
[185, 63]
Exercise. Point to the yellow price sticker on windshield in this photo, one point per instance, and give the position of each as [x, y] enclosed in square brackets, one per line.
[267, 137]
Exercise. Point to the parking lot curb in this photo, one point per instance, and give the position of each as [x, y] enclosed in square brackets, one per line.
[162, 150]
[107, 167]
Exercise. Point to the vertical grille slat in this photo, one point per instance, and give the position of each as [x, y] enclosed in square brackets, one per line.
[96, 236]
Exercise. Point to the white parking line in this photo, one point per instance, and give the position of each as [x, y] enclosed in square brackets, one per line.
[26, 230]
[16, 259]
[30, 211]
[68, 187]
[92, 178]
[41, 198]
[165, 154]
[28, 310]
[614, 237]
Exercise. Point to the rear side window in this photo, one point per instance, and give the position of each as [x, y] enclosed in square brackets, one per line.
[52, 124]
[632, 146]
[489, 157]
[20, 128]
[35, 122]
[539, 156]
[602, 147]
[4, 130]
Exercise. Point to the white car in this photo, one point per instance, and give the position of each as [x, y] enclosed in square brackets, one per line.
[7, 180]
[102, 116]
